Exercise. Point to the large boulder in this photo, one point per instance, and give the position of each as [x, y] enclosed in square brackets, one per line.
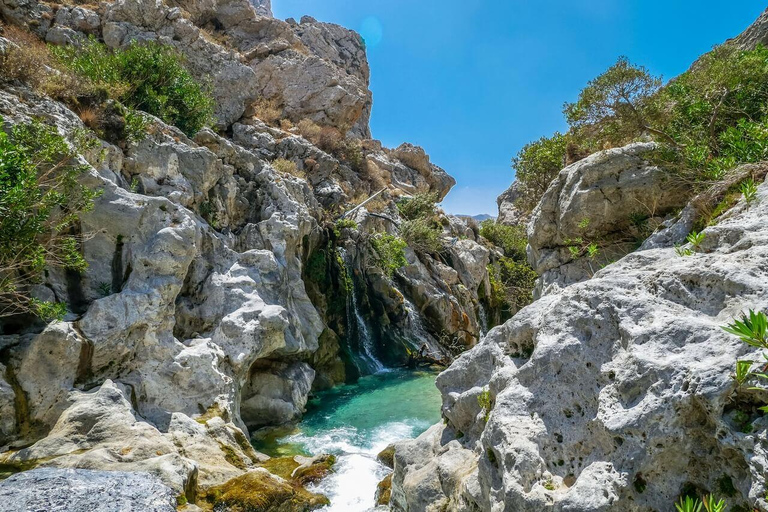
[599, 200]
[83, 490]
[611, 394]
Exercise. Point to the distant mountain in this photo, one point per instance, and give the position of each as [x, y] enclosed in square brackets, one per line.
[479, 218]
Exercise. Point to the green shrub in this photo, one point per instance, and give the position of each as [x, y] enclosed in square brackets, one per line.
[40, 202]
[422, 235]
[536, 165]
[419, 206]
[512, 239]
[389, 252]
[146, 76]
[343, 224]
[715, 112]
[518, 279]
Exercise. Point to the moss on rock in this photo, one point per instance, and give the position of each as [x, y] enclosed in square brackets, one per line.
[384, 490]
[259, 491]
[387, 456]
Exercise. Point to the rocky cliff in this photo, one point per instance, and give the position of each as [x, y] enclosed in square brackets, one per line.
[214, 298]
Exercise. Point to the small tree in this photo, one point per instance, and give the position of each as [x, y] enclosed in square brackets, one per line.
[536, 165]
[615, 107]
[40, 202]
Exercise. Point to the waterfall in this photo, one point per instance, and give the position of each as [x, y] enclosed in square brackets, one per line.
[364, 337]
[415, 323]
[483, 320]
[367, 350]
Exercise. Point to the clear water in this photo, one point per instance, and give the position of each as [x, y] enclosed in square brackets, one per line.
[355, 422]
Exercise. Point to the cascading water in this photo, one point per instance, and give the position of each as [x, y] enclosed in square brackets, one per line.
[367, 351]
[483, 320]
[355, 422]
[415, 324]
[365, 339]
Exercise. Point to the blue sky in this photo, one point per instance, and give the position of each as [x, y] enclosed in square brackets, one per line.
[472, 81]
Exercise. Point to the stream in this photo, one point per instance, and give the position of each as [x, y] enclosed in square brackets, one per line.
[355, 422]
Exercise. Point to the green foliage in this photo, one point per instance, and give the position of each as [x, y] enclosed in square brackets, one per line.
[749, 190]
[725, 486]
[317, 267]
[135, 125]
[743, 371]
[615, 107]
[695, 239]
[40, 202]
[421, 228]
[683, 251]
[146, 76]
[343, 224]
[419, 206]
[105, 288]
[536, 165]
[518, 279]
[715, 112]
[688, 504]
[692, 504]
[485, 402]
[345, 275]
[422, 235]
[712, 504]
[707, 121]
[512, 239]
[511, 278]
[389, 252]
[751, 329]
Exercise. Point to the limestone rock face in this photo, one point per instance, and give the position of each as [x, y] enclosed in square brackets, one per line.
[597, 200]
[82, 490]
[508, 213]
[611, 394]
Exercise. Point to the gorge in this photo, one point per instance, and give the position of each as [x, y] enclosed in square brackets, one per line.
[219, 292]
